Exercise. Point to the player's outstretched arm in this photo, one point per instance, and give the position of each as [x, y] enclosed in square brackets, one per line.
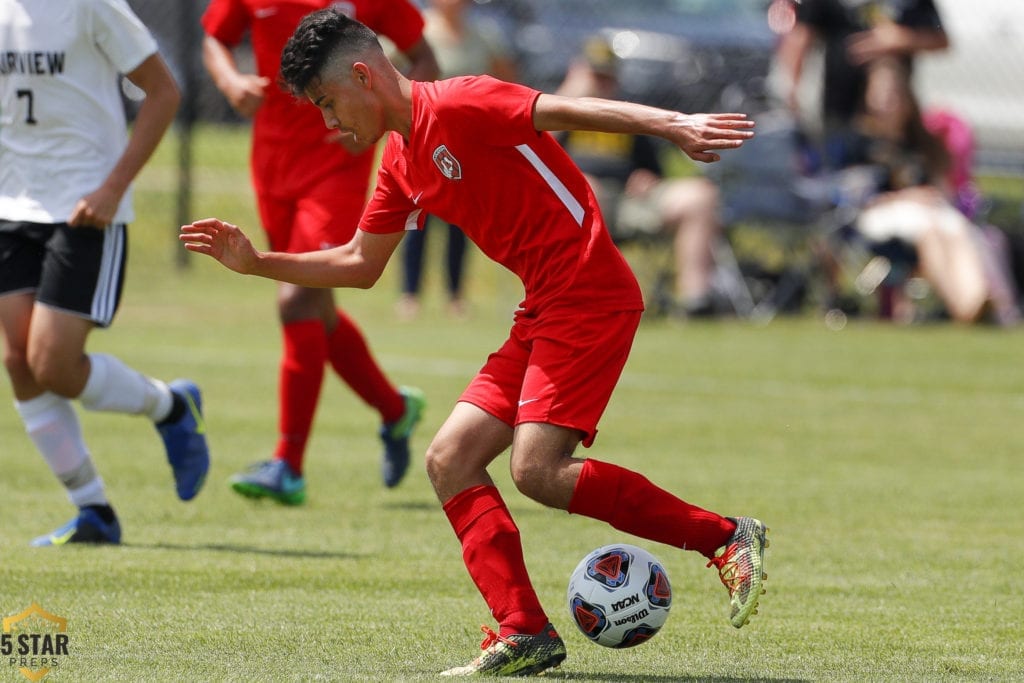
[356, 264]
[698, 135]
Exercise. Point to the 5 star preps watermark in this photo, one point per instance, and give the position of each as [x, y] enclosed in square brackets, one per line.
[34, 641]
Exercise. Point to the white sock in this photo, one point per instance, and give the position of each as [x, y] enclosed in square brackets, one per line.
[53, 426]
[114, 387]
[89, 494]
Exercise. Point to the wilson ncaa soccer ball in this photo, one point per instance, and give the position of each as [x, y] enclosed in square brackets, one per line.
[619, 596]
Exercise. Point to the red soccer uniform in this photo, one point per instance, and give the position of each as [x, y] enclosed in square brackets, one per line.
[474, 158]
[294, 157]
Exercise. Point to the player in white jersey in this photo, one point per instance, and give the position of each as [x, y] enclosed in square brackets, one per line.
[66, 164]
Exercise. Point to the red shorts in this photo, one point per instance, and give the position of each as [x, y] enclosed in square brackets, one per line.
[559, 370]
[306, 204]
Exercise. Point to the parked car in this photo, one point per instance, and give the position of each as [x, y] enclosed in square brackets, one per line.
[691, 55]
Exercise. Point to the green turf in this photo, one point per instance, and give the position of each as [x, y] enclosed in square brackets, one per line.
[886, 460]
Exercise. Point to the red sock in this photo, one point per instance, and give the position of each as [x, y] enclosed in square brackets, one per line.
[301, 376]
[493, 553]
[351, 359]
[631, 503]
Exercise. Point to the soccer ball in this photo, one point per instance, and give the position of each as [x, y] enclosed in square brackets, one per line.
[619, 596]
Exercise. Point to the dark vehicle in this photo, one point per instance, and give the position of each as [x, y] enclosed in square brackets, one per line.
[691, 55]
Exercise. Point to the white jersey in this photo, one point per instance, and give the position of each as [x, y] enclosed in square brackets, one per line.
[62, 123]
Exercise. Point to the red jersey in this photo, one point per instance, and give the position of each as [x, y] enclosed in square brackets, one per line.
[474, 158]
[271, 23]
[293, 152]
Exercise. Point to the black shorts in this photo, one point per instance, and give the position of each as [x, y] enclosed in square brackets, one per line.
[76, 270]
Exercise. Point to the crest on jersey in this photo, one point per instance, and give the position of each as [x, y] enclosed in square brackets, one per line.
[449, 165]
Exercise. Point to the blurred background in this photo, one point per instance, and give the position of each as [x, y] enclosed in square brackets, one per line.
[692, 55]
[688, 55]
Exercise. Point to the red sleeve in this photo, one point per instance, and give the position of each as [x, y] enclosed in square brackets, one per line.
[399, 20]
[226, 20]
[492, 111]
[390, 209]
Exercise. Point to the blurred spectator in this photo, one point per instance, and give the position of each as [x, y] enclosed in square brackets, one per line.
[870, 118]
[917, 219]
[853, 34]
[463, 47]
[627, 177]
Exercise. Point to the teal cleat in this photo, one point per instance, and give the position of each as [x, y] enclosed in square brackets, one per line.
[273, 479]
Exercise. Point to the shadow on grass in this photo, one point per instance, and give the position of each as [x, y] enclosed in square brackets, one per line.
[247, 550]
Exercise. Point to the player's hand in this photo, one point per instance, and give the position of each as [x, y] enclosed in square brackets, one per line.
[699, 134]
[245, 93]
[95, 210]
[222, 241]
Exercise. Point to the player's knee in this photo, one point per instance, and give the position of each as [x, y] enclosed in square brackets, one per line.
[48, 376]
[296, 303]
[530, 478]
[51, 373]
[441, 461]
[16, 362]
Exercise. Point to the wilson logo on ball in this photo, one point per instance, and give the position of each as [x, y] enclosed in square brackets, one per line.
[619, 596]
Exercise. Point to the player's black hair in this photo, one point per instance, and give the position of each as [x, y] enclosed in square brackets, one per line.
[319, 37]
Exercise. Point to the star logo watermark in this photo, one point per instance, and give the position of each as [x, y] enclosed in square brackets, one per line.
[34, 641]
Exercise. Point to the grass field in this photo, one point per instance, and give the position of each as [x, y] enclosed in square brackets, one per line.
[888, 462]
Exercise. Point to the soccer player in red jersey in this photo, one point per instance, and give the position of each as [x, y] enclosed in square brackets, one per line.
[470, 150]
[311, 186]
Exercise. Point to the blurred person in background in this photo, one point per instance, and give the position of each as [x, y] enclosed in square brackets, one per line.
[916, 220]
[311, 187]
[627, 176]
[920, 205]
[852, 34]
[66, 168]
[464, 46]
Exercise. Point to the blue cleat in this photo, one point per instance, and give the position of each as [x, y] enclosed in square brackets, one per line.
[272, 479]
[87, 527]
[395, 435]
[185, 441]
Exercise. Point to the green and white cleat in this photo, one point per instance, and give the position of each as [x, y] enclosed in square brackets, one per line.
[740, 564]
[514, 655]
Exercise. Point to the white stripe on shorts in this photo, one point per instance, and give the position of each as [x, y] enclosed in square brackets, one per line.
[104, 298]
[411, 221]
